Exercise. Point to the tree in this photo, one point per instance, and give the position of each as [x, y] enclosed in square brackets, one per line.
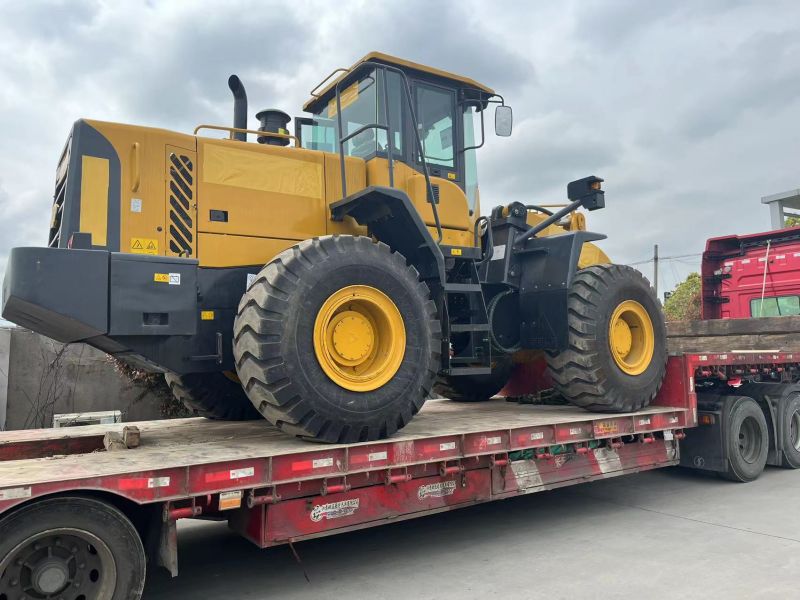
[791, 222]
[684, 302]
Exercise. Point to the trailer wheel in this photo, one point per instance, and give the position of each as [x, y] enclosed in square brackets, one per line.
[476, 388]
[617, 351]
[213, 395]
[70, 547]
[337, 340]
[746, 440]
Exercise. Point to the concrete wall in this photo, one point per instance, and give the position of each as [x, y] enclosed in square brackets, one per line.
[45, 377]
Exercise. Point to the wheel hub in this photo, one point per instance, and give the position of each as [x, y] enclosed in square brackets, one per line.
[359, 338]
[353, 337]
[50, 576]
[622, 338]
[631, 337]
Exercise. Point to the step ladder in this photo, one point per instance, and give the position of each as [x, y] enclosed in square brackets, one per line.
[476, 357]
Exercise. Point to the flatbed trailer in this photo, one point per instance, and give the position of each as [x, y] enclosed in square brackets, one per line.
[65, 501]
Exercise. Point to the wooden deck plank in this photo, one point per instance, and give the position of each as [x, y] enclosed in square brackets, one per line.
[188, 442]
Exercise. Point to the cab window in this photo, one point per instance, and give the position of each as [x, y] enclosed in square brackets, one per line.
[361, 104]
[782, 306]
[435, 109]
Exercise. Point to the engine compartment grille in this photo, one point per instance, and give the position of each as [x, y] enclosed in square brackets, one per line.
[59, 197]
[180, 202]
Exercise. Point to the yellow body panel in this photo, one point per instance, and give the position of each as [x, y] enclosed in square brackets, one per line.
[141, 155]
[94, 199]
[219, 250]
[268, 191]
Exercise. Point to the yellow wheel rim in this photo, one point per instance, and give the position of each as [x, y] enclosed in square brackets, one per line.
[631, 337]
[359, 338]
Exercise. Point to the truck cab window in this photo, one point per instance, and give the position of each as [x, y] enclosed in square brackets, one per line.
[435, 118]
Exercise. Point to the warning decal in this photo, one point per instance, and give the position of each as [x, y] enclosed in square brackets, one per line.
[144, 246]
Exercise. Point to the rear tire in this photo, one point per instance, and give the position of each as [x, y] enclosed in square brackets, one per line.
[212, 395]
[70, 531]
[746, 440]
[784, 398]
[476, 388]
[289, 369]
[590, 373]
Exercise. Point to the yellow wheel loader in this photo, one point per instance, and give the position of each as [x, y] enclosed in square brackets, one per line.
[325, 279]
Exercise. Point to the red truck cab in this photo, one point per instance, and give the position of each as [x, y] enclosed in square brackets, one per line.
[754, 275]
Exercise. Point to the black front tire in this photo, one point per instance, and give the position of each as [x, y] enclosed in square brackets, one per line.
[274, 341]
[70, 531]
[213, 396]
[586, 374]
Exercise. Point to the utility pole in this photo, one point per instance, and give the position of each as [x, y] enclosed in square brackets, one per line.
[655, 269]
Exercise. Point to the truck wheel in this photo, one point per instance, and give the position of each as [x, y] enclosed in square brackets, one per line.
[70, 547]
[789, 414]
[784, 428]
[617, 351]
[337, 340]
[476, 388]
[213, 395]
[746, 440]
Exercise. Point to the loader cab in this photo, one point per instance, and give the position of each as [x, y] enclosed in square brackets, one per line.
[404, 119]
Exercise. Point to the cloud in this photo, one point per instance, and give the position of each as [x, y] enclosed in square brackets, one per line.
[687, 109]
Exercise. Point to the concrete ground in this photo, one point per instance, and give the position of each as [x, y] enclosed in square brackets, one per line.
[670, 533]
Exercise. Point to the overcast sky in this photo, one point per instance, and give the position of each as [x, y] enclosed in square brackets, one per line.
[689, 110]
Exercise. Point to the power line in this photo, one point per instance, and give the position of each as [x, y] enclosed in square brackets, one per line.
[677, 257]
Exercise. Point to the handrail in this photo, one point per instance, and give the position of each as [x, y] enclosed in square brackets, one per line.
[420, 149]
[489, 239]
[257, 132]
[324, 81]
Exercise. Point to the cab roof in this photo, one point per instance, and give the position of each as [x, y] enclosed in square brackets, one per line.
[321, 98]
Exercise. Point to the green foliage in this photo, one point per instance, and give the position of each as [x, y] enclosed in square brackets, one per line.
[684, 303]
[791, 222]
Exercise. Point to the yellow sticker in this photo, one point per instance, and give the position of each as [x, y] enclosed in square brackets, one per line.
[451, 175]
[455, 251]
[144, 246]
[206, 315]
[161, 277]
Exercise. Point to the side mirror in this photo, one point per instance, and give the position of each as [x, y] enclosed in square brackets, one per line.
[503, 119]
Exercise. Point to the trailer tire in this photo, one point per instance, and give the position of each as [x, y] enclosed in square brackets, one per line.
[591, 373]
[476, 388]
[746, 440]
[75, 530]
[213, 396]
[338, 340]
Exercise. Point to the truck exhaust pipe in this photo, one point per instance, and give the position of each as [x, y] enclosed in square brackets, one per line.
[239, 107]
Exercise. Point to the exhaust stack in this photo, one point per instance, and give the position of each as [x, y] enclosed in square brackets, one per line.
[239, 107]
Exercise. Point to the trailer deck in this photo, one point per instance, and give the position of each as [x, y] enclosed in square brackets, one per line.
[463, 430]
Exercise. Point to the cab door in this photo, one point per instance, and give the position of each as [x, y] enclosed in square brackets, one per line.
[438, 127]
